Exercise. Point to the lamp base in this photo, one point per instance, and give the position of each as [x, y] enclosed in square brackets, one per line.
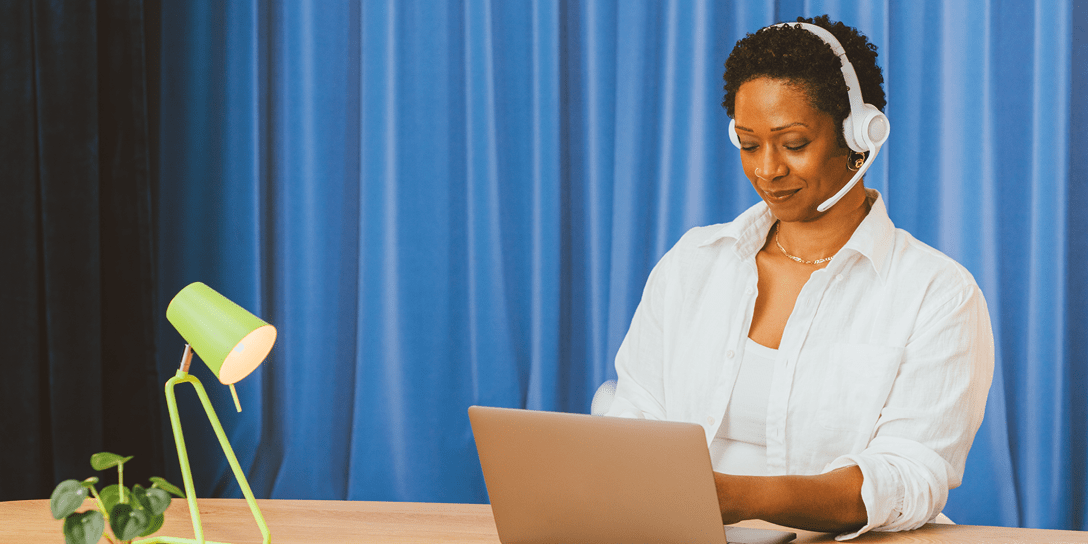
[183, 458]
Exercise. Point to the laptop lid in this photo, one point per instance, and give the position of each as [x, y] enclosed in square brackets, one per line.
[555, 477]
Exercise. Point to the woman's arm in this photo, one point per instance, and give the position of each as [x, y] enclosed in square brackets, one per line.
[639, 361]
[829, 502]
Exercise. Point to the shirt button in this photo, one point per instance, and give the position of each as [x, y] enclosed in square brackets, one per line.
[729, 354]
[749, 291]
[709, 420]
[838, 277]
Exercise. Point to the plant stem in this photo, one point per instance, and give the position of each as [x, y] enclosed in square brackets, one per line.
[121, 482]
[101, 507]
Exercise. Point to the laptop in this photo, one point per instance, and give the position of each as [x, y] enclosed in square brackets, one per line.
[556, 477]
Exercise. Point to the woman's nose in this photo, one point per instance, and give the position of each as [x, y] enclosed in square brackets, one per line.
[770, 167]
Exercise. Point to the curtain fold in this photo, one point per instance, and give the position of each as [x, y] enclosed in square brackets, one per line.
[450, 203]
[1075, 319]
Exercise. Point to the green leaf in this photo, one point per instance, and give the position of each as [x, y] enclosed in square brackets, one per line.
[154, 525]
[111, 496]
[66, 498]
[105, 459]
[157, 501]
[139, 497]
[84, 528]
[89, 482]
[128, 522]
[164, 485]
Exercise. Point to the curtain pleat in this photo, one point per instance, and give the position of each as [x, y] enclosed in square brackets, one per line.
[67, 131]
[1075, 319]
[544, 389]
[1047, 421]
[456, 203]
[126, 247]
[25, 392]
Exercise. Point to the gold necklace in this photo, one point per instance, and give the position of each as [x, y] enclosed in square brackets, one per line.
[794, 257]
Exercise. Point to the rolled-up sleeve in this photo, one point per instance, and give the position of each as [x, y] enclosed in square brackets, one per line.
[919, 446]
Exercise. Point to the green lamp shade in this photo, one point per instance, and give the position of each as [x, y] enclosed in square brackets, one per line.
[229, 339]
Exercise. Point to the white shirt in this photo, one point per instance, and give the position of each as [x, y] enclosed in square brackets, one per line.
[740, 447]
[885, 362]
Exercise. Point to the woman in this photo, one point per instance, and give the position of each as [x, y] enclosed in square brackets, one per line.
[839, 366]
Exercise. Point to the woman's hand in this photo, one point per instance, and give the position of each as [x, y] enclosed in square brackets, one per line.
[829, 502]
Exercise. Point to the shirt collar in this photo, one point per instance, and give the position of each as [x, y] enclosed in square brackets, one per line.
[748, 231]
[871, 240]
[874, 236]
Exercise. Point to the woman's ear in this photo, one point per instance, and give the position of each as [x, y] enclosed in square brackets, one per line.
[854, 160]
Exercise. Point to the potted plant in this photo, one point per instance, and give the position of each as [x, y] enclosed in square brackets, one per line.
[130, 513]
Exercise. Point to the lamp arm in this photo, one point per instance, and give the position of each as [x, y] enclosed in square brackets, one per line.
[232, 459]
[186, 472]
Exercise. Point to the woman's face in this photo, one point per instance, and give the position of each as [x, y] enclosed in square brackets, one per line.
[789, 149]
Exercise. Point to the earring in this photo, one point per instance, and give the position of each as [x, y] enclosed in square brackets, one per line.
[854, 164]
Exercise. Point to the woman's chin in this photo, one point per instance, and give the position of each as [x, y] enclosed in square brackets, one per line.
[789, 212]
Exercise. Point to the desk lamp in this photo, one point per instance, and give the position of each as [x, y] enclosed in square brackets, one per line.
[232, 342]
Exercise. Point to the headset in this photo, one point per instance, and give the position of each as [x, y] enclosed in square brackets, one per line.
[865, 129]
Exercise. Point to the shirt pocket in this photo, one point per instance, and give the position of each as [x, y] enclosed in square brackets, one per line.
[856, 385]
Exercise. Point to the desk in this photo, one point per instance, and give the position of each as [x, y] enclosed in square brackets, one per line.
[319, 522]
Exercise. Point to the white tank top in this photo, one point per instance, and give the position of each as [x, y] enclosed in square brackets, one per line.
[740, 447]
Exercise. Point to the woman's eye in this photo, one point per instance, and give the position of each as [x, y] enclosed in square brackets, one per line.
[796, 146]
[748, 147]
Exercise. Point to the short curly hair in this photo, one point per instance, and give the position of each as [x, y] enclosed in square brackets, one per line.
[802, 58]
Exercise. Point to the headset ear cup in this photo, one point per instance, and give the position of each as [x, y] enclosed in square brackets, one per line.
[876, 128]
[869, 132]
[733, 133]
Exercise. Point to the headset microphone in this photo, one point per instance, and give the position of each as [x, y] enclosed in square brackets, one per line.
[865, 129]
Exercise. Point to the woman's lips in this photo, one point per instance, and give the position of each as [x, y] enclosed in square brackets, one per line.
[779, 196]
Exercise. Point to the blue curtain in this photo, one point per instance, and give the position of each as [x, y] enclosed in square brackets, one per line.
[442, 204]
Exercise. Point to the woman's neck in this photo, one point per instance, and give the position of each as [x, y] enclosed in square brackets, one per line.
[824, 236]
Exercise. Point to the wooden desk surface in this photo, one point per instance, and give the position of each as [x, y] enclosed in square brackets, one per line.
[318, 522]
